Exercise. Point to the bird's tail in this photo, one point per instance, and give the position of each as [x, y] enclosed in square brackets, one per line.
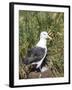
[27, 61]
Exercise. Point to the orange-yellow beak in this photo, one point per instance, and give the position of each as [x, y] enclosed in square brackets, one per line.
[49, 37]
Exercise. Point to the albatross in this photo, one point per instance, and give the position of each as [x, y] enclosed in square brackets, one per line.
[37, 54]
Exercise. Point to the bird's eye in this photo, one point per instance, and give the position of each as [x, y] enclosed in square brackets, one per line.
[44, 34]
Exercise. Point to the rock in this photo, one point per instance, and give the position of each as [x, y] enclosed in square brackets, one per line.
[45, 74]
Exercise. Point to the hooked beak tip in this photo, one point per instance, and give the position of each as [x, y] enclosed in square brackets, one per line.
[49, 37]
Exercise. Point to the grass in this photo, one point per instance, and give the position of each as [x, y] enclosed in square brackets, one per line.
[31, 24]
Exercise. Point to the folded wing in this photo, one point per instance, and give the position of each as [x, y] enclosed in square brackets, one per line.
[34, 55]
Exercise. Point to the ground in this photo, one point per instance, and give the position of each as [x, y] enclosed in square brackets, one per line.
[26, 72]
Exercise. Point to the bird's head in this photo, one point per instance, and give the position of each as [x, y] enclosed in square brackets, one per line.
[44, 35]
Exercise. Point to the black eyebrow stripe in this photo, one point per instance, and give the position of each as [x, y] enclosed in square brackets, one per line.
[44, 34]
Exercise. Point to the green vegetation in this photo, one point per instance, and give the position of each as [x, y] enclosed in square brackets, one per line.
[31, 24]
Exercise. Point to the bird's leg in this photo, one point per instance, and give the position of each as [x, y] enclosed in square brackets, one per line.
[40, 68]
[40, 73]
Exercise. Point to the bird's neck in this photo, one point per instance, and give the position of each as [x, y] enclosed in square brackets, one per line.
[42, 43]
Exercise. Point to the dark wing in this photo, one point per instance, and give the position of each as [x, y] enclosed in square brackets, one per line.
[34, 55]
